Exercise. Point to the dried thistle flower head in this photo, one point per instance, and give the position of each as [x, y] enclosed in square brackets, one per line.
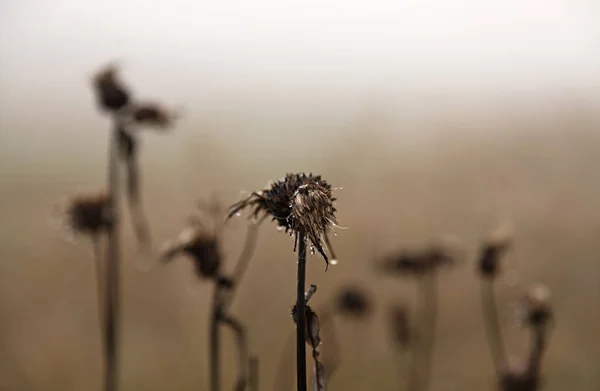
[536, 308]
[111, 93]
[417, 263]
[399, 325]
[493, 249]
[518, 376]
[353, 301]
[87, 213]
[200, 245]
[153, 115]
[299, 203]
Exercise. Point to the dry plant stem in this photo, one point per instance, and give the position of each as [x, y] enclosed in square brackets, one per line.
[253, 374]
[111, 291]
[538, 346]
[492, 326]
[97, 253]
[214, 337]
[429, 286]
[242, 347]
[422, 352]
[301, 315]
[138, 217]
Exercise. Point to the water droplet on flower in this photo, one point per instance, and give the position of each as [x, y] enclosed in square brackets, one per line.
[333, 261]
[280, 228]
[238, 214]
[312, 250]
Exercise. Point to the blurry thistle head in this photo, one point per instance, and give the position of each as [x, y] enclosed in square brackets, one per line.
[494, 247]
[353, 301]
[153, 115]
[111, 93]
[399, 325]
[535, 307]
[518, 376]
[299, 203]
[419, 262]
[201, 245]
[87, 213]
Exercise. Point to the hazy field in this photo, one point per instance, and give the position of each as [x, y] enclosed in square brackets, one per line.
[405, 182]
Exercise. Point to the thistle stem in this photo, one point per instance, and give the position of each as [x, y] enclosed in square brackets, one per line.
[431, 305]
[254, 374]
[111, 291]
[301, 315]
[492, 326]
[214, 358]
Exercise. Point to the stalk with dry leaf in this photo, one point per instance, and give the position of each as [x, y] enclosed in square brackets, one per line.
[303, 205]
[201, 243]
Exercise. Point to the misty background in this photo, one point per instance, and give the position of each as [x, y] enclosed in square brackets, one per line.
[434, 117]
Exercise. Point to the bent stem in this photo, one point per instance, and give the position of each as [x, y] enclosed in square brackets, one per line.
[214, 359]
[492, 326]
[301, 314]
[242, 347]
[111, 291]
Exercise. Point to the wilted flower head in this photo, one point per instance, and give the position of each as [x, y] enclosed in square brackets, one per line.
[299, 203]
[200, 245]
[111, 94]
[493, 249]
[353, 301]
[87, 213]
[518, 376]
[417, 263]
[535, 308]
[153, 114]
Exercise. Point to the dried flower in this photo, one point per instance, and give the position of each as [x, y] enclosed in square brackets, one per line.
[535, 308]
[353, 301]
[153, 114]
[202, 247]
[417, 263]
[111, 94]
[493, 249]
[88, 213]
[299, 203]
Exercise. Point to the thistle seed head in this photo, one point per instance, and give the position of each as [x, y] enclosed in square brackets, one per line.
[299, 203]
[88, 213]
[417, 263]
[535, 308]
[201, 246]
[493, 249]
[111, 93]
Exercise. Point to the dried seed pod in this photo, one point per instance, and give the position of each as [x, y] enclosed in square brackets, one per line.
[493, 249]
[353, 301]
[536, 308]
[201, 246]
[298, 202]
[417, 263]
[88, 213]
[111, 94]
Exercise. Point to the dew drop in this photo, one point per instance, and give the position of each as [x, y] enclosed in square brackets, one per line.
[238, 214]
[333, 261]
[280, 228]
